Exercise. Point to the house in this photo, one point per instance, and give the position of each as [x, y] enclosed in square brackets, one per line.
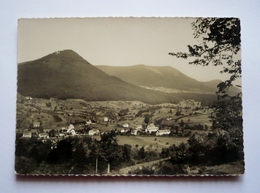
[163, 132]
[28, 98]
[134, 132]
[88, 122]
[105, 119]
[63, 130]
[47, 130]
[124, 130]
[70, 127]
[125, 125]
[151, 128]
[139, 127]
[71, 130]
[94, 132]
[36, 124]
[44, 135]
[27, 134]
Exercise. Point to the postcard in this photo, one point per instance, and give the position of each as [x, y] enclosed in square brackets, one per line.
[133, 96]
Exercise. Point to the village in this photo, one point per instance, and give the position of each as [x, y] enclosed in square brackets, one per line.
[54, 119]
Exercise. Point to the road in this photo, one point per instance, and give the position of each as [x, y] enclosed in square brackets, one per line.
[146, 164]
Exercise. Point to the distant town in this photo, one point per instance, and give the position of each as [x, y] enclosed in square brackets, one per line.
[56, 119]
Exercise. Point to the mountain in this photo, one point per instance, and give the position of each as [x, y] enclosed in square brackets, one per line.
[158, 76]
[163, 78]
[65, 74]
[214, 83]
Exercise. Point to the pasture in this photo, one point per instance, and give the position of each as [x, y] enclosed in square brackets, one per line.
[152, 142]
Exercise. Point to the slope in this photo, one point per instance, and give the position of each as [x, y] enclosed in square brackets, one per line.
[157, 76]
[65, 74]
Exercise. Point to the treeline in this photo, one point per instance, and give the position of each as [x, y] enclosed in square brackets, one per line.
[87, 155]
[216, 148]
[75, 155]
[202, 151]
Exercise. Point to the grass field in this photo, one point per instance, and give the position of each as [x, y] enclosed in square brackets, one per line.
[149, 141]
[202, 119]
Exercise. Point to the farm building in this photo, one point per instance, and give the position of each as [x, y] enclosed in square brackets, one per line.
[163, 132]
[151, 128]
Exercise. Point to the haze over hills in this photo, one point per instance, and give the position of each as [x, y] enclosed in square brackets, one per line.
[65, 74]
[163, 78]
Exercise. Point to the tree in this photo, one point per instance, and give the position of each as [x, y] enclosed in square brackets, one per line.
[126, 153]
[142, 153]
[220, 46]
[110, 148]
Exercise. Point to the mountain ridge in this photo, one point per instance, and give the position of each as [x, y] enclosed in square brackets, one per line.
[65, 74]
[165, 77]
[156, 76]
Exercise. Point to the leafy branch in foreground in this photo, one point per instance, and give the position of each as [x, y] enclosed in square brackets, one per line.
[220, 44]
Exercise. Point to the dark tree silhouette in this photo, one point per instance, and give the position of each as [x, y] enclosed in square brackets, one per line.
[110, 148]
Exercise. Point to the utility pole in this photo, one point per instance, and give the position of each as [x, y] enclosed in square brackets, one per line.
[96, 165]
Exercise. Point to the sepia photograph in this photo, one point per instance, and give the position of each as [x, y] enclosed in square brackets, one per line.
[129, 96]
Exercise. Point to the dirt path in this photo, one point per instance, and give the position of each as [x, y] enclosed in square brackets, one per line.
[146, 164]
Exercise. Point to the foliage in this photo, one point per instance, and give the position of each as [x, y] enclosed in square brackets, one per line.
[123, 112]
[220, 46]
[220, 42]
[217, 147]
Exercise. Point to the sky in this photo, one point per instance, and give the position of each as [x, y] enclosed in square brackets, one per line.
[115, 42]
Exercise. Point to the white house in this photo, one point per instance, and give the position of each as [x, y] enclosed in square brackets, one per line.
[139, 127]
[70, 127]
[151, 128]
[105, 119]
[44, 135]
[27, 134]
[36, 124]
[63, 129]
[124, 130]
[71, 130]
[88, 122]
[28, 98]
[125, 125]
[134, 132]
[163, 132]
[93, 132]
